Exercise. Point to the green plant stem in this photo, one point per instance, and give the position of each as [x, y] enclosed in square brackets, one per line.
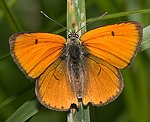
[76, 18]
[4, 57]
[12, 21]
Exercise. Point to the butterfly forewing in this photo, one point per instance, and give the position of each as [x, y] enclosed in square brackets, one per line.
[116, 44]
[34, 52]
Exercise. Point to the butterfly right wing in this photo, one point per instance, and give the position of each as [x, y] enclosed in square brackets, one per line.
[53, 88]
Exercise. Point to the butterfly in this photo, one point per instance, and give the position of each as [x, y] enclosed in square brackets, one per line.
[85, 68]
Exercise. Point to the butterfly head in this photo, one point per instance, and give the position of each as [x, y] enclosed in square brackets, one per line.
[73, 35]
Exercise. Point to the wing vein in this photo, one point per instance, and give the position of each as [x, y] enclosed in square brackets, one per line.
[50, 78]
[43, 59]
[109, 53]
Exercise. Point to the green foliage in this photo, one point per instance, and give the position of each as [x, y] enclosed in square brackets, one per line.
[27, 110]
[17, 92]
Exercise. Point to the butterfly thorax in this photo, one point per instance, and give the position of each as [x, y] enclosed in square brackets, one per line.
[75, 59]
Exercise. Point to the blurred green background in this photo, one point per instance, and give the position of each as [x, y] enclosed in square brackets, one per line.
[133, 105]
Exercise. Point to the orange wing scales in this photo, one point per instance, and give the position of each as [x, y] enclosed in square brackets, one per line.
[53, 88]
[118, 48]
[34, 52]
[104, 83]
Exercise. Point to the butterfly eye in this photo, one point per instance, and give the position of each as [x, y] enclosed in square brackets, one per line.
[76, 35]
[70, 35]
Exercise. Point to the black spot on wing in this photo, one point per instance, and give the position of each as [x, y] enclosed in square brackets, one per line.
[36, 41]
[113, 33]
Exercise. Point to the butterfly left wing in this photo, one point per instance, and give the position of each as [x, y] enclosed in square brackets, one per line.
[116, 44]
[104, 82]
[53, 88]
[34, 52]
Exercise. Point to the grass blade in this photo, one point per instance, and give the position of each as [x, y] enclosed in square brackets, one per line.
[27, 110]
[12, 21]
[146, 38]
[120, 14]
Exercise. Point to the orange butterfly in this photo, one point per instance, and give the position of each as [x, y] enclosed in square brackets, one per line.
[84, 68]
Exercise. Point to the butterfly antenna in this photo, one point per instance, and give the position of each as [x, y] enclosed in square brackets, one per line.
[93, 21]
[55, 21]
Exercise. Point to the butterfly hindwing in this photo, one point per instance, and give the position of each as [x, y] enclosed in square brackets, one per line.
[116, 44]
[53, 88]
[104, 82]
[34, 52]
